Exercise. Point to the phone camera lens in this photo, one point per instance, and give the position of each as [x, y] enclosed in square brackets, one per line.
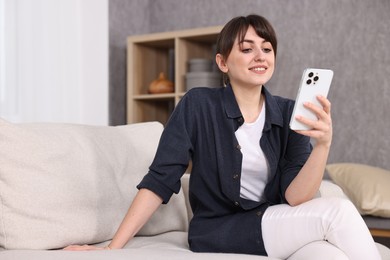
[316, 78]
[308, 82]
[311, 74]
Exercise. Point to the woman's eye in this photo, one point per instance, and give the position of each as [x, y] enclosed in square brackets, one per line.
[267, 50]
[246, 50]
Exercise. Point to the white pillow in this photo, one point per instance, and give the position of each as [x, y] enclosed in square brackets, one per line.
[64, 184]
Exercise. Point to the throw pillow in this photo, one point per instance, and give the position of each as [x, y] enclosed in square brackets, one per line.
[366, 186]
[64, 184]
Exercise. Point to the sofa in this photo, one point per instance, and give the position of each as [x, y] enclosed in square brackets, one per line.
[63, 184]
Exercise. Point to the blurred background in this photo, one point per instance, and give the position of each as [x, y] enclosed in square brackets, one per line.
[65, 60]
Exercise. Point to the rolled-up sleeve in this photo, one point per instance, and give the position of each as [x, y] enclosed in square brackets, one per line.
[173, 154]
[297, 153]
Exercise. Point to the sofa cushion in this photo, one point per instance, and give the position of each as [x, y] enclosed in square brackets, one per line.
[366, 186]
[64, 184]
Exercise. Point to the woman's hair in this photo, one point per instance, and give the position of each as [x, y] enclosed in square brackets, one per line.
[237, 28]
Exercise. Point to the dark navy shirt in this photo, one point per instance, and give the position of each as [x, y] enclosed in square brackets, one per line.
[202, 129]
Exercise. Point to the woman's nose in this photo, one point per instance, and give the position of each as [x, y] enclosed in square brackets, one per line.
[259, 55]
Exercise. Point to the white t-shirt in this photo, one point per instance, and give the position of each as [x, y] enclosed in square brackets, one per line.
[254, 171]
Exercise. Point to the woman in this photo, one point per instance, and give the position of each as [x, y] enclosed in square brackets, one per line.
[253, 179]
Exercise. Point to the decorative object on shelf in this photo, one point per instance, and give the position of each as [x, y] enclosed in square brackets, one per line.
[202, 73]
[200, 65]
[161, 85]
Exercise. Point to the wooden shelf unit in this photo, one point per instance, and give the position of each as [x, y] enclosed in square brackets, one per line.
[168, 52]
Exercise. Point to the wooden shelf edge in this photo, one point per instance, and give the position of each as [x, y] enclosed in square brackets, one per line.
[174, 34]
[154, 96]
[380, 232]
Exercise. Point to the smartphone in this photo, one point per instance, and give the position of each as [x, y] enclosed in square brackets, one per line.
[314, 82]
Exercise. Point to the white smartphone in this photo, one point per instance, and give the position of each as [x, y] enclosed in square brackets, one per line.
[314, 82]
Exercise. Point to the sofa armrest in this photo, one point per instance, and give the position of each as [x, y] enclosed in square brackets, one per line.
[330, 189]
[185, 185]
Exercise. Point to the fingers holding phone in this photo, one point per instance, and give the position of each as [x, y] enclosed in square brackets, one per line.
[321, 127]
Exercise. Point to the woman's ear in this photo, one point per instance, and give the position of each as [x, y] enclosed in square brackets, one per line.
[221, 63]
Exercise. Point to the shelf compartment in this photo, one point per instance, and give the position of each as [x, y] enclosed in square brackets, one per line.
[188, 48]
[149, 59]
[145, 110]
[167, 52]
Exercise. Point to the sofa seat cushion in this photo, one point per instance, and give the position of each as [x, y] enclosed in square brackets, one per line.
[173, 246]
[124, 254]
[64, 184]
[166, 246]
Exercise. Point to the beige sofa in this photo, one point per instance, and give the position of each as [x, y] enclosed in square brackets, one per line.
[64, 184]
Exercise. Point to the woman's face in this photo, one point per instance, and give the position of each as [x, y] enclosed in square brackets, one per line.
[251, 62]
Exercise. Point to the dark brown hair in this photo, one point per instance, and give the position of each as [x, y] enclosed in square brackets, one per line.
[237, 27]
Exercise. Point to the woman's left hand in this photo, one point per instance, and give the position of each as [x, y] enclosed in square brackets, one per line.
[322, 128]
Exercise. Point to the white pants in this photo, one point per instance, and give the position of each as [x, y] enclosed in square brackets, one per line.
[285, 229]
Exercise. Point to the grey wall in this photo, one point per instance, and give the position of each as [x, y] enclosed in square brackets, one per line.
[349, 36]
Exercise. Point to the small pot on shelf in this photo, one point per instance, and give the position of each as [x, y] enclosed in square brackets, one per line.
[161, 85]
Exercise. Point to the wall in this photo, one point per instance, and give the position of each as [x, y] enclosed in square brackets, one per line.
[349, 36]
[55, 63]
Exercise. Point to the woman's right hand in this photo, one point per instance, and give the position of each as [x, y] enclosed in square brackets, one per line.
[322, 128]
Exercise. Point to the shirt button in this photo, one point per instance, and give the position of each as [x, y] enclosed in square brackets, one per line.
[240, 120]
[238, 147]
[259, 213]
[236, 176]
[236, 203]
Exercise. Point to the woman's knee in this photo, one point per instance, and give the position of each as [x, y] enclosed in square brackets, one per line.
[340, 210]
[343, 205]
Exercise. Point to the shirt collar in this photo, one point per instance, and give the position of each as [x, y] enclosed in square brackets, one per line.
[273, 113]
[272, 108]
[231, 105]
